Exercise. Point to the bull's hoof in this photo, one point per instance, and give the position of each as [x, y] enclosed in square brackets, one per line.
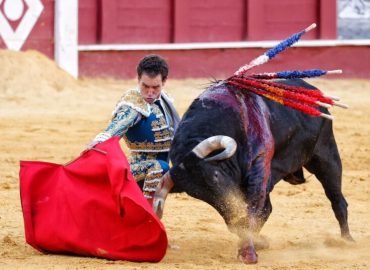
[158, 205]
[247, 255]
[348, 237]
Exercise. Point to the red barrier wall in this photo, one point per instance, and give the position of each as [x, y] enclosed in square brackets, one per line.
[221, 63]
[182, 21]
[178, 21]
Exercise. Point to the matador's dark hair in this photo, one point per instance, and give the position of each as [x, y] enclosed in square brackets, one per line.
[152, 65]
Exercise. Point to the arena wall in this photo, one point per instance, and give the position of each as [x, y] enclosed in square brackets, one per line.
[198, 38]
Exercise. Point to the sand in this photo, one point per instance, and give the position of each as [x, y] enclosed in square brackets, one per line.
[47, 115]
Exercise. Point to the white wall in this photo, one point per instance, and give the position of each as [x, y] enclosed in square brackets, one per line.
[66, 35]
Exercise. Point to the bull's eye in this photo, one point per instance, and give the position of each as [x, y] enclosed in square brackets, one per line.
[215, 178]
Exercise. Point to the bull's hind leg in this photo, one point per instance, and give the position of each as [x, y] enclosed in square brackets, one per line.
[327, 167]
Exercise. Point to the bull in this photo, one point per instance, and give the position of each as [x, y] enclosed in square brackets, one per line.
[232, 147]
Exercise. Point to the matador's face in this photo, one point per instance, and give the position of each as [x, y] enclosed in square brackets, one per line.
[150, 87]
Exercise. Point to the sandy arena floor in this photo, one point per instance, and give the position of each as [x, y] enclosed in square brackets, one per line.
[47, 115]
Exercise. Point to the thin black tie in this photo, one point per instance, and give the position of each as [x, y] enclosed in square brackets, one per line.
[158, 103]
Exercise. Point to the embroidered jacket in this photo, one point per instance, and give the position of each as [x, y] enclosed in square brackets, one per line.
[145, 127]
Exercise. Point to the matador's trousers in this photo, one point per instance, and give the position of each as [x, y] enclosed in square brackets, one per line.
[149, 167]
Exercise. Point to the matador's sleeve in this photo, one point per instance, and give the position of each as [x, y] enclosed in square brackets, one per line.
[124, 118]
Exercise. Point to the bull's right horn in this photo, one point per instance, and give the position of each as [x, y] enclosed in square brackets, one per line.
[205, 147]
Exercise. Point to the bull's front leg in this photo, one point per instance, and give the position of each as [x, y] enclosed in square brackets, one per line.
[162, 190]
[257, 212]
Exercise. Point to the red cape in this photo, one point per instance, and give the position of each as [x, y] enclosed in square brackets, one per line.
[91, 206]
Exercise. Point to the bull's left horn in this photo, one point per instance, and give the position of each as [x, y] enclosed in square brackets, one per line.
[205, 147]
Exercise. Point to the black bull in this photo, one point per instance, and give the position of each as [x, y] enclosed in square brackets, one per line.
[273, 143]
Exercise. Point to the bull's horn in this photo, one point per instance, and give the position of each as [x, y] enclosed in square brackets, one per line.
[205, 147]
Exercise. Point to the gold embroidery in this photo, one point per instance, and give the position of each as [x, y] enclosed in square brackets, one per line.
[149, 170]
[153, 176]
[138, 157]
[158, 124]
[155, 109]
[133, 99]
[148, 146]
[145, 169]
[163, 135]
[161, 132]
